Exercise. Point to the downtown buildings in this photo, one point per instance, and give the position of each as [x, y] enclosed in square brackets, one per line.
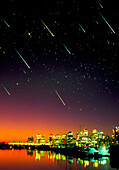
[83, 138]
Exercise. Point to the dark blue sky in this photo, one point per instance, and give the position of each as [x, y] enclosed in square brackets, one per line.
[80, 62]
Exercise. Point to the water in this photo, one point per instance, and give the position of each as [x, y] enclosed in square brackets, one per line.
[46, 160]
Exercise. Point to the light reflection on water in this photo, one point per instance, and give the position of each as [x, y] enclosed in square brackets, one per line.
[103, 163]
[29, 159]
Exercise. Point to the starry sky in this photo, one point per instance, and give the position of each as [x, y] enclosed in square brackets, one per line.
[58, 67]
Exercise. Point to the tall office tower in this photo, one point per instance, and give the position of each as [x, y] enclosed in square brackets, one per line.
[116, 134]
[38, 138]
[70, 135]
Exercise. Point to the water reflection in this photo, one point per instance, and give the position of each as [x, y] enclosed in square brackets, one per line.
[56, 157]
[30, 152]
[35, 159]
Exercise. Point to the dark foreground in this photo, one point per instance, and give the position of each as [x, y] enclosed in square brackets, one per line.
[73, 152]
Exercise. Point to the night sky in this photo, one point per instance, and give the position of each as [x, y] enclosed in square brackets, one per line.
[58, 67]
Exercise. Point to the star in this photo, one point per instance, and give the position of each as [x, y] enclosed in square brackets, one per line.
[29, 34]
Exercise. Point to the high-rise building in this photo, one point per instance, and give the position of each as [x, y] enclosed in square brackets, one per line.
[100, 139]
[64, 138]
[85, 132]
[94, 131]
[57, 139]
[82, 138]
[30, 140]
[116, 134]
[79, 135]
[50, 139]
[42, 140]
[70, 135]
[71, 141]
[38, 138]
[94, 137]
[100, 135]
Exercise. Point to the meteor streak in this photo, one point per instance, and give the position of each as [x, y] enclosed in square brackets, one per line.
[97, 22]
[5, 89]
[82, 28]
[100, 4]
[107, 23]
[66, 49]
[22, 58]
[23, 70]
[60, 97]
[5, 22]
[47, 28]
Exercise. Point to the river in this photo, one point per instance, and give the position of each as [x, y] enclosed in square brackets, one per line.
[46, 160]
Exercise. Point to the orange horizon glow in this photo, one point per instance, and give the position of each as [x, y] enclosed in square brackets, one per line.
[22, 135]
[18, 122]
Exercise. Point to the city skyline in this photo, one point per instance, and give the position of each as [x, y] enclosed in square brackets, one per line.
[23, 137]
[58, 67]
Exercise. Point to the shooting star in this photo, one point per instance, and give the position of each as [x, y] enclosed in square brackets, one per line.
[107, 23]
[22, 58]
[108, 42]
[100, 4]
[47, 28]
[5, 22]
[5, 89]
[97, 22]
[66, 49]
[60, 97]
[82, 28]
[23, 70]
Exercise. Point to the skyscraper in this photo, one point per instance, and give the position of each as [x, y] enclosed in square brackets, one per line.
[38, 138]
[116, 134]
